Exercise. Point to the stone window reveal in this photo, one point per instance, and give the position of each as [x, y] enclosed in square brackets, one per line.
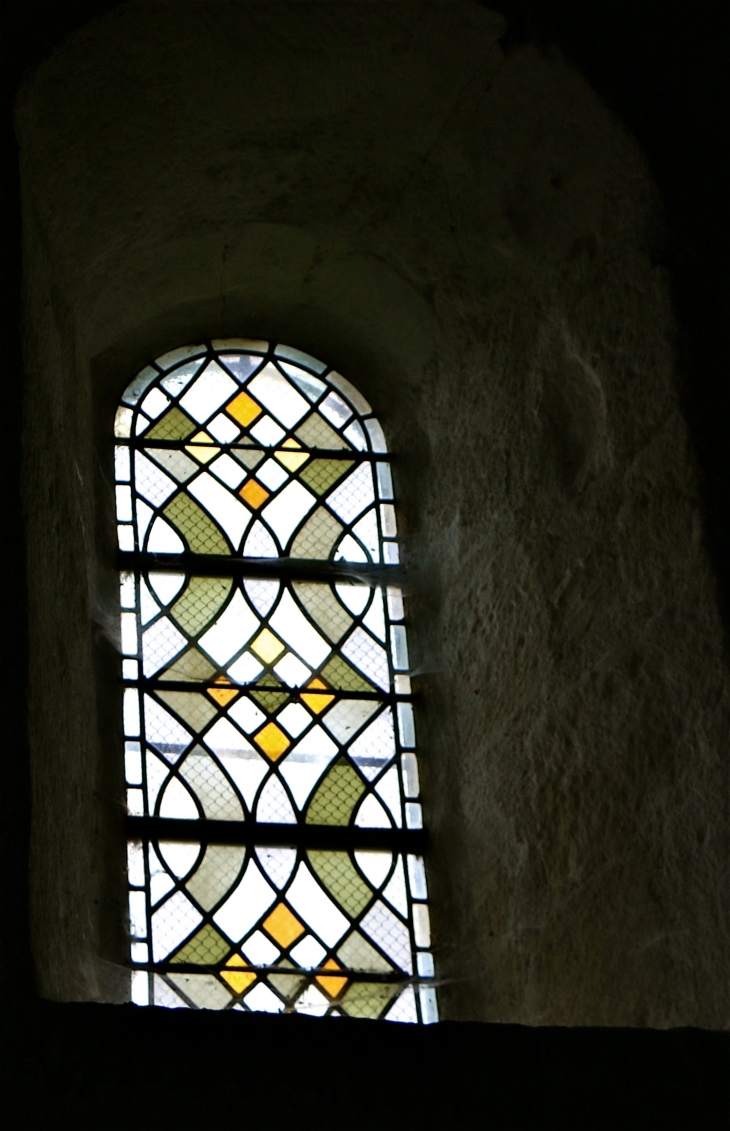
[275, 834]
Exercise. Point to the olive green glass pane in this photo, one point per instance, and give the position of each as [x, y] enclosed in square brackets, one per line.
[316, 433]
[341, 676]
[324, 608]
[321, 474]
[249, 457]
[211, 786]
[175, 463]
[216, 874]
[356, 953]
[205, 949]
[193, 708]
[367, 999]
[174, 425]
[317, 537]
[270, 700]
[287, 984]
[204, 990]
[336, 872]
[200, 532]
[336, 797]
[192, 666]
[200, 603]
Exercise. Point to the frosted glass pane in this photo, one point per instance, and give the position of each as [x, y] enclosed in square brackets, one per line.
[267, 432]
[302, 358]
[317, 909]
[353, 495]
[172, 923]
[228, 512]
[245, 669]
[259, 543]
[127, 597]
[277, 863]
[135, 866]
[406, 726]
[404, 1009]
[144, 516]
[228, 470]
[356, 436]
[350, 551]
[263, 1000]
[366, 530]
[148, 607]
[354, 597]
[246, 714]
[372, 815]
[131, 713]
[395, 603]
[174, 357]
[132, 763]
[294, 719]
[293, 627]
[272, 474]
[353, 395]
[137, 387]
[374, 864]
[231, 630]
[129, 634]
[417, 877]
[160, 643]
[388, 789]
[284, 513]
[246, 905]
[274, 806]
[167, 585]
[424, 965]
[375, 746]
[178, 379]
[223, 428]
[179, 857]
[421, 924]
[123, 422]
[409, 766]
[386, 929]
[278, 395]
[414, 816]
[368, 656]
[346, 718]
[395, 892]
[377, 436]
[335, 409]
[374, 619]
[305, 764]
[259, 950]
[154, 403]
[262, 594]
[429, 1008]
[163, 539]
[208, 392]
[162, 730]
[311, 386]
[124, 504]
[130, 669]
[312, 1003]
[176, 802]
[399, 647]
[121, 464]
[292, 671]
[308, 953]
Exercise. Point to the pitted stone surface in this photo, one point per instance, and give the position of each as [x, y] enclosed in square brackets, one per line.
[463, 235]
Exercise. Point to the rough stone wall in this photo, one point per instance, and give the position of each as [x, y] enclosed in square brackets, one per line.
[464, 235]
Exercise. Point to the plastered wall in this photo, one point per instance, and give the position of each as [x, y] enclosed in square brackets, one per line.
[464, 235]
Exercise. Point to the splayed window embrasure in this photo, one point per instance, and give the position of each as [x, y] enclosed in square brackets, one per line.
[275, 833]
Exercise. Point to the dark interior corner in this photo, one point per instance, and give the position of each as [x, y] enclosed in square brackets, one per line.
[661, 69]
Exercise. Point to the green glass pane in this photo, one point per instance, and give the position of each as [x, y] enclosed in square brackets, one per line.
[174, 425]
[316, 433]
[249, 457]
[324, 608]
[200, 603]
[200, 532]
[270, 700]
[203, 989]
[336, 797]
[211, 786]
[341, 676]
[205, 949]
[175, 463]
[193, 708]
[216, 874]
[338, 875]
[321, 474]
[356, 953]
[367, 999]
[192, 666]
[317, 537]
[288, 985]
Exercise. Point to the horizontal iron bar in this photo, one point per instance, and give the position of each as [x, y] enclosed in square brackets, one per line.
[254, 833]
[293, 692]
[397, 977]
[218, 565]
[139, 442]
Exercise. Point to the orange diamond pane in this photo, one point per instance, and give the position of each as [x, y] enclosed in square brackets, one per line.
[238, 981]
[332, 986]
[283, 926]
[222, 697]
[253, 494]
[317, 703]
[243, 409]
[272, 741]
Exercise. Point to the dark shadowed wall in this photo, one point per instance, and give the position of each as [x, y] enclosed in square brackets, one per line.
[466, 234]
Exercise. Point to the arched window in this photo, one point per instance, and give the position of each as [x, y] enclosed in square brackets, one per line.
[275, 836]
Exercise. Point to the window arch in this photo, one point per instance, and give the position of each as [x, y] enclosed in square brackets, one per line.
[275, 834]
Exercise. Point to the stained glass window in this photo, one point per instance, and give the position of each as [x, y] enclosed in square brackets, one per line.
[275, 851]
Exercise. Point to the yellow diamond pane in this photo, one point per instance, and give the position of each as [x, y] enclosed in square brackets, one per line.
[267, 646]
[292, 460]
[202, 448]
[283, 926]
[254, 494]
[243, 409]
[238, 981]
[272, 741]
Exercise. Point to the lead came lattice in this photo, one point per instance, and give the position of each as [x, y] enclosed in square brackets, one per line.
[275, 833]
